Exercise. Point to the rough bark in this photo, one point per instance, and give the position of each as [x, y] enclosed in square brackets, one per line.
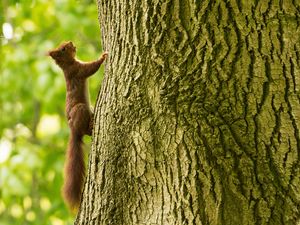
[197, 120]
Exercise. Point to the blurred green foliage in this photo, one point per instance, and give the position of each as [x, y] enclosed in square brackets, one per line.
[33, 128]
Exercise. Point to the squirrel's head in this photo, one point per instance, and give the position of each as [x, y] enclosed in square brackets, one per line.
[65, 52]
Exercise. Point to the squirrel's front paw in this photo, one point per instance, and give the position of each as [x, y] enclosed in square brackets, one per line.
[104, 55]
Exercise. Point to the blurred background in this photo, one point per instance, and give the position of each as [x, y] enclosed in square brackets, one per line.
[33, 128]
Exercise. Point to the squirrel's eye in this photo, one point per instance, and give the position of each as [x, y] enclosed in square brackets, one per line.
[63, 49]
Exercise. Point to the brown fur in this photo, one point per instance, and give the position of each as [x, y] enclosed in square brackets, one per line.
[79, 115]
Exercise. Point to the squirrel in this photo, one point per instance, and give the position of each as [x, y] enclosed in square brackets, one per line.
[79, 115]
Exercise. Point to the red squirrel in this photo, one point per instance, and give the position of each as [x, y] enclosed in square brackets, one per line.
[79, 115]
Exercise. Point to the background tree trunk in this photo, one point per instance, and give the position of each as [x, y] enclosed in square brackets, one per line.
[197, 120]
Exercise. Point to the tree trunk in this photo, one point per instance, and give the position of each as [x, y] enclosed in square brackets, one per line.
[197, 120]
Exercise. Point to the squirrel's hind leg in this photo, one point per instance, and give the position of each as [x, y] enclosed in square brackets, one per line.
[80, 119]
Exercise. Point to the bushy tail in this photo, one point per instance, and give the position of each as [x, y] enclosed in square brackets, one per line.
[74, 172]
